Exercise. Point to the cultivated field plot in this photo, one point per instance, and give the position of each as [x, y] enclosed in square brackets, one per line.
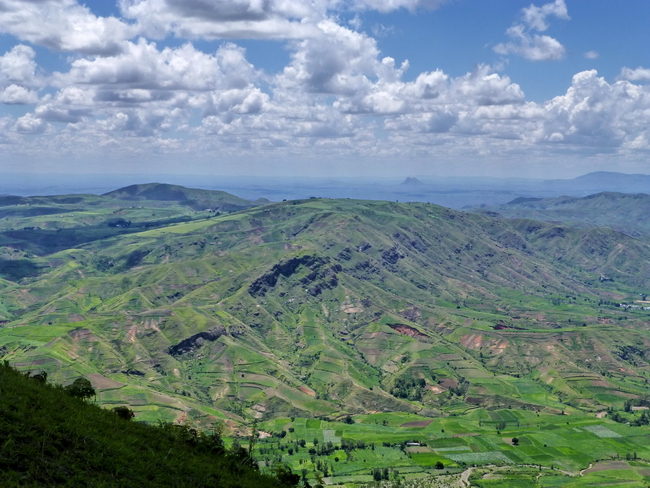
[480, 457]
[330, 436]
[560, 444]
[602, 431]
[630, 474]
[453, 449]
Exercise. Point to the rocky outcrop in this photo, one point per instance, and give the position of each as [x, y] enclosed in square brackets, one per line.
[322, 275]
[409, 331]
[196, 341]
[391, 256]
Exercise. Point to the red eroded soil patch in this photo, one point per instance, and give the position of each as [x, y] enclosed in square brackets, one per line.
[417, 423]
[307, 390]
[408, 330]
[472, 341]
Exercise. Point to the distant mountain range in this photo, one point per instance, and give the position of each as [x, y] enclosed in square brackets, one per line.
[603, 181]
[450, 192]
[620, 211]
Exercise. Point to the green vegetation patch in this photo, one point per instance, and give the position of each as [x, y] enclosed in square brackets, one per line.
[51, 438]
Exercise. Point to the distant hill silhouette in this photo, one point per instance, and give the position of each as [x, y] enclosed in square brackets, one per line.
[620, 211]
[411, 182]
[603, 181]
[192, 197]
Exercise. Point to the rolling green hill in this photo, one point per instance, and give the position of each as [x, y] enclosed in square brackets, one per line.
[194, 198]
[45, 224]
[332, 307]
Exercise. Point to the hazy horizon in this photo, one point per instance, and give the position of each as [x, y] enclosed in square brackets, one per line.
[453, 192]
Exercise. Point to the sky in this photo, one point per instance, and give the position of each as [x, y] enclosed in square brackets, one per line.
[347, 88]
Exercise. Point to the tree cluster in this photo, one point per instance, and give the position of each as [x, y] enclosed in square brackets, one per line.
[410, 389]
[380, 474]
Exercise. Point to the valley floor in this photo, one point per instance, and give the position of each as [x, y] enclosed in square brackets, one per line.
[530, 450]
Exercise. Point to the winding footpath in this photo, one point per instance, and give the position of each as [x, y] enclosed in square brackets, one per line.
[464, 477]
[582, 471]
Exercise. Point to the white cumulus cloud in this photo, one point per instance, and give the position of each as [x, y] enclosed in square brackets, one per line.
[142, 65]
[17, 95]
[18, 76]
[251, 19]
[18, 65]
[390, 5]
[535, 17]
[145, 90]
[530, 45]
[63, 25]
[29, 124]
[594, 113]
[224, 19]
[638, 74]
[338, 61]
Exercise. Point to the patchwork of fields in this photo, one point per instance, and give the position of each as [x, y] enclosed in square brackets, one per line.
[561, 448]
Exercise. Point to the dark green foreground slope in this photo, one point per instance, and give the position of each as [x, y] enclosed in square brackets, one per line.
[48, 438]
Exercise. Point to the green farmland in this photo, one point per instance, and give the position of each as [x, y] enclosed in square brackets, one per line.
[551, 450]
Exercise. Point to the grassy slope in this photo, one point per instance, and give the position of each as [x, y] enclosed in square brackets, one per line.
[319, 307]
[48, 438]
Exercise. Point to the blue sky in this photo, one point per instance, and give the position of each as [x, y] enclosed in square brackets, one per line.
[325, 87]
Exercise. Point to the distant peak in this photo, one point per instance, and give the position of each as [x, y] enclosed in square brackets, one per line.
[600, 174]
[412, 182]
[132, 190]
